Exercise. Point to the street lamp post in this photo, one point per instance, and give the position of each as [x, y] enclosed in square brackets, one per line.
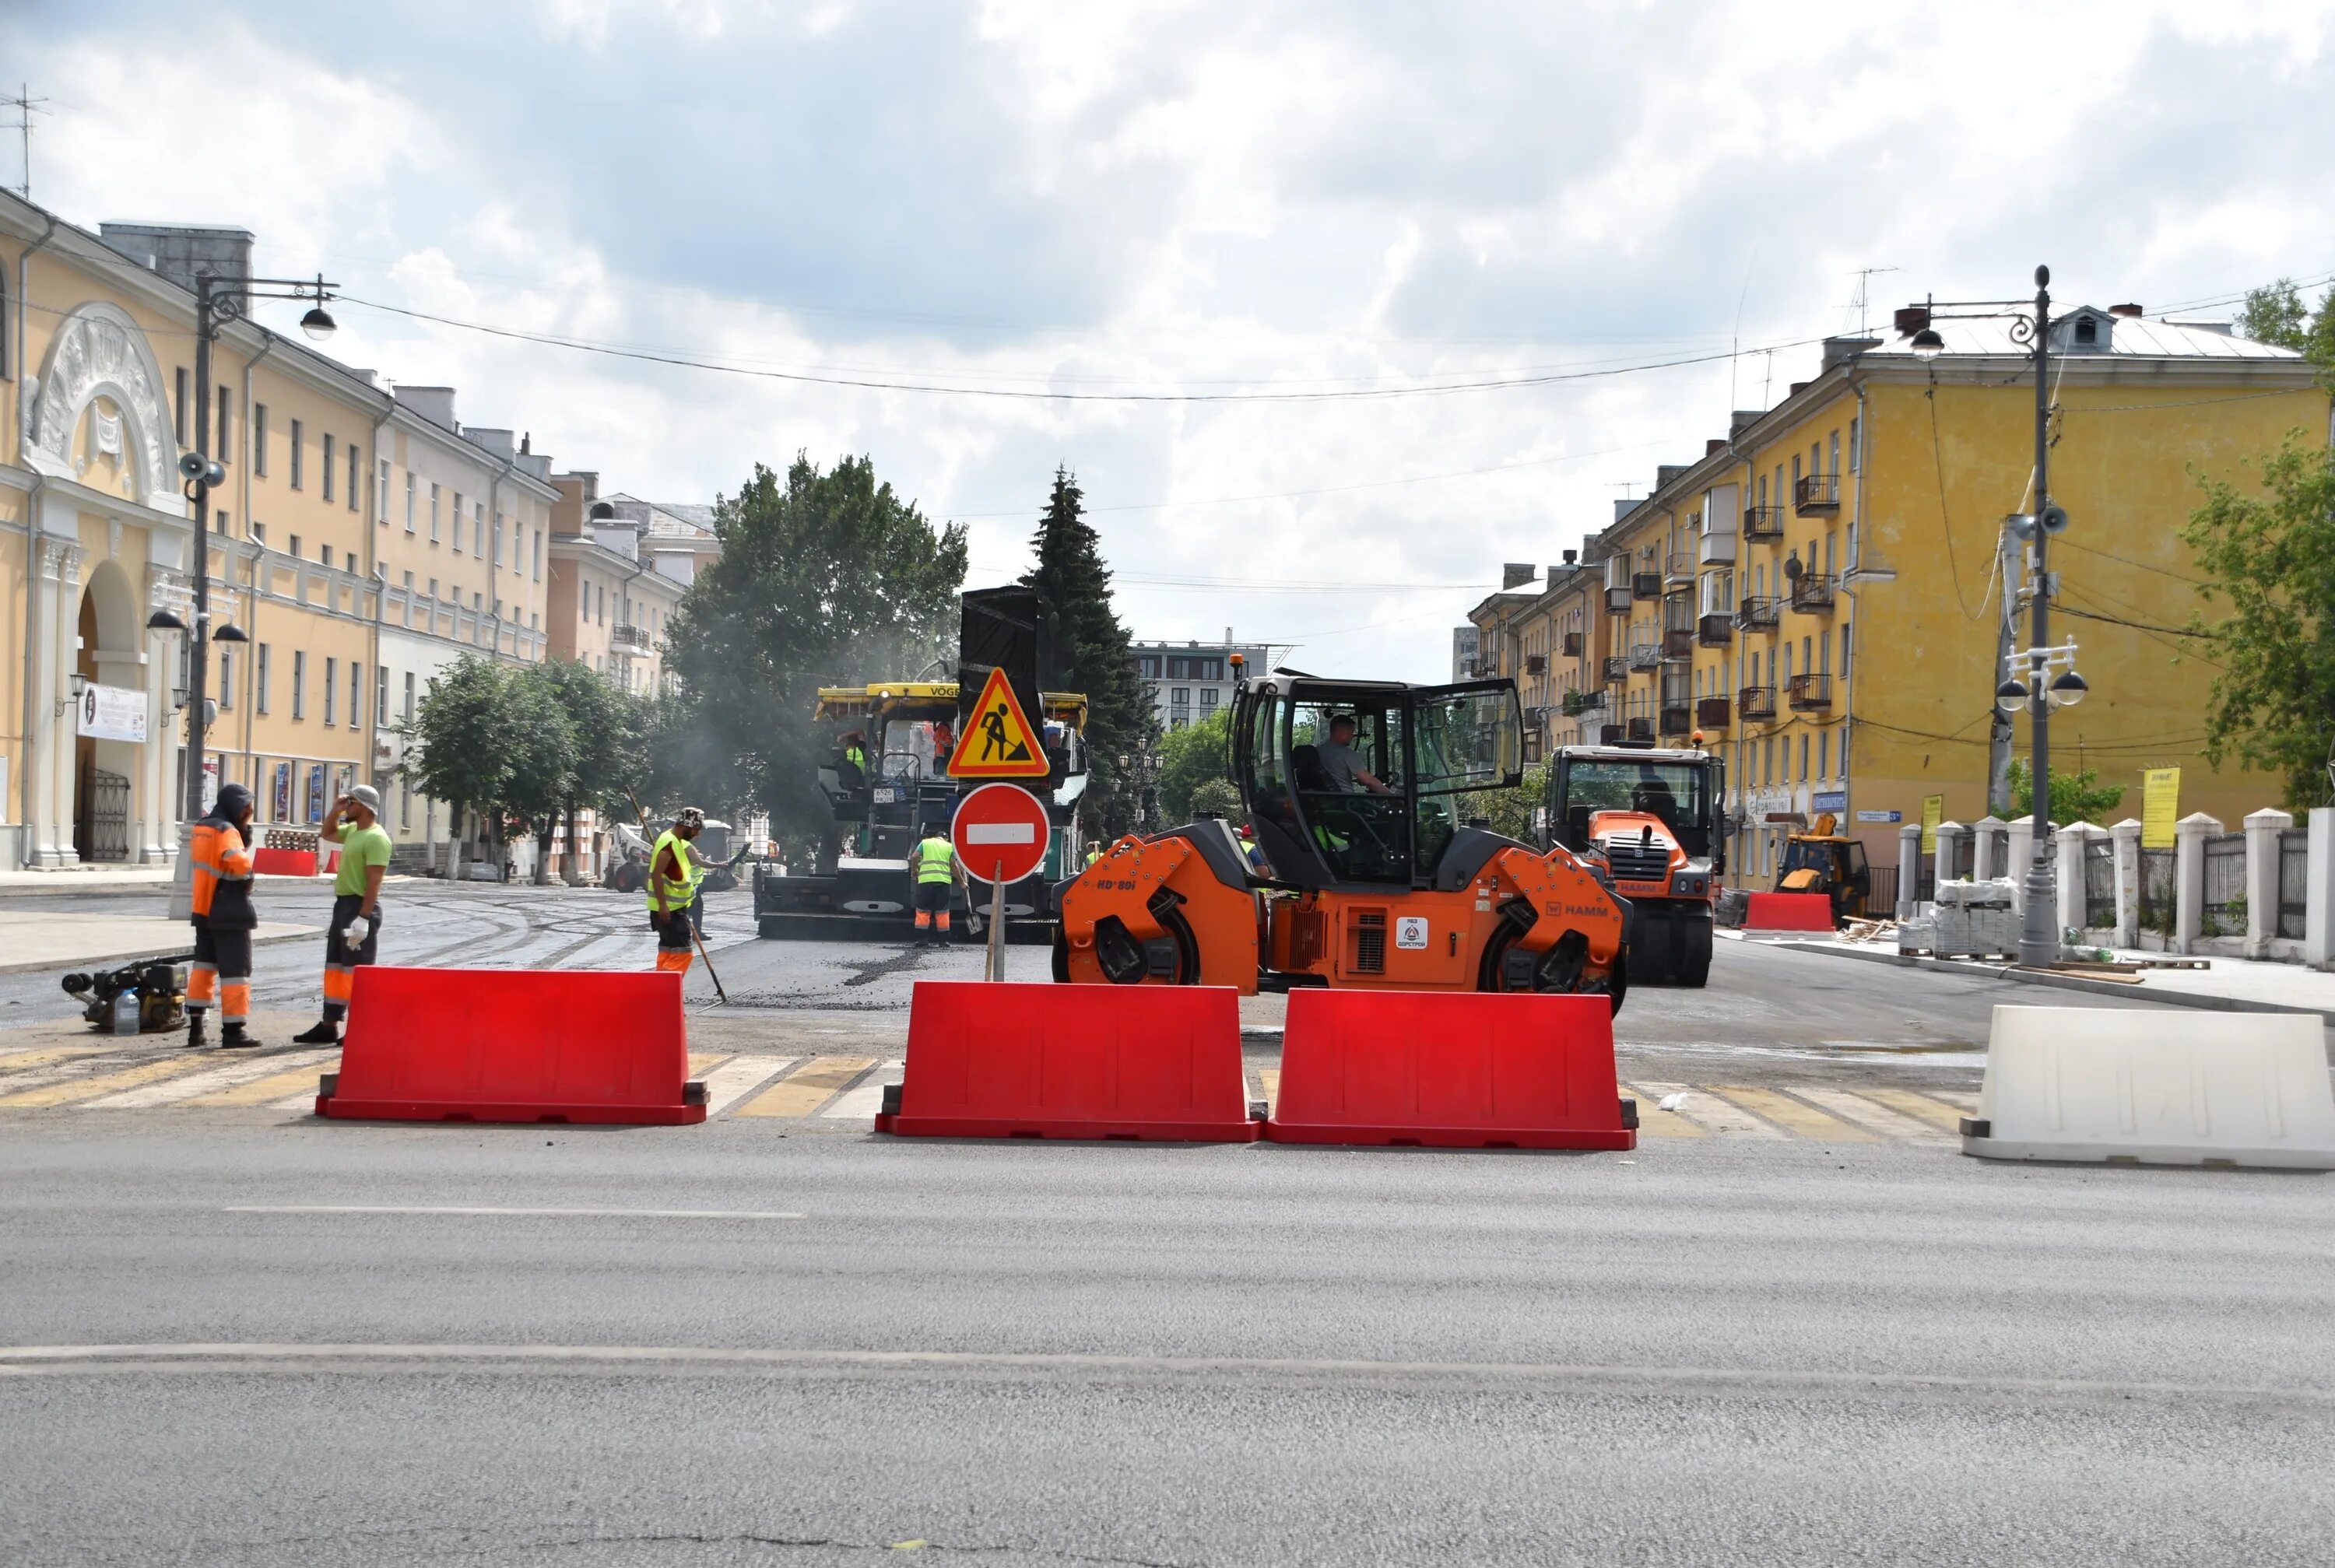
[218, 301]
[2038, 936]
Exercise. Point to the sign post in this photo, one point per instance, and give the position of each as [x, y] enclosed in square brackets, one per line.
[1000, 833]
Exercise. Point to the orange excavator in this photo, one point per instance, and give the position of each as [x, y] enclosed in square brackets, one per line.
[1358, 794]
[1652, 820]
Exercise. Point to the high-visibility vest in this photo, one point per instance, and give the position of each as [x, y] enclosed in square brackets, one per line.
[855, 757]
[936, 860]
[680, 893]
[222, 879]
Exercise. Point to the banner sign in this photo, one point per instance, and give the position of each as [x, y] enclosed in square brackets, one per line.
[2160, 806]
[1933, 811]
[113, 713]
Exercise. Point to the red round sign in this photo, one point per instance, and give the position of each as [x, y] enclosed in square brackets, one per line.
[1001, 832]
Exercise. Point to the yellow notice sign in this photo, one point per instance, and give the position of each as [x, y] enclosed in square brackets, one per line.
[2160, 806]
[999, 742]
[1933, 811]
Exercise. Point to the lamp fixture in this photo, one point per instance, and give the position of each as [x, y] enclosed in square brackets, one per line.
[2011, 696]
[1927, 344]
[2069, 690]
[229, 633]
[164, 621]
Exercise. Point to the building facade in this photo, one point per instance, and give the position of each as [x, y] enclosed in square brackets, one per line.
[1188, 681]
[1821, 595]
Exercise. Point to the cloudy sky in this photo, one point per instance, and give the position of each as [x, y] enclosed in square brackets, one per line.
[1182, 212]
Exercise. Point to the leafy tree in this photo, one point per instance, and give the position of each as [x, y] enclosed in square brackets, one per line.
[1215, 798]
[824, 579]
[2275, 314]
[2271, 558]
[1089, 651]
[1510, 811]
[2075, 797]
[610, 763]
[490, 738]
[1190, 757]
[540, 745]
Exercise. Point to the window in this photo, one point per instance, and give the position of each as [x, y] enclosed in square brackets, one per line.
[408, 582]
[1767, 767]
[299, 684]
[495, 546]
[478, 527]
[1856, 456]
[1803, 757]
[434, 513]
[259, 681]
[181, 426]
[1208, 698]
[409, 697]
[356, 693]
[409, 498]
[353, 483]
[293, 550]
[325, 555]
[1843, 653]
[601, 619]
[326, 466]
[1795, 475]
[536, 569]
[1824, 755]
[219, 523]
[258, 438]
[258, 530]
[296, 459]
[1835, 454]
[225, 429]
[433, 588]
[331, 678]
[1843, 756]
[458, 522]
[380, 697]
[227, 679]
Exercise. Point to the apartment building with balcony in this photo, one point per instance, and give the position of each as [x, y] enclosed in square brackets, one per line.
[1189, 681]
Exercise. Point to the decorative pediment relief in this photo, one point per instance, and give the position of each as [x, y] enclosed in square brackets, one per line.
[101, 391]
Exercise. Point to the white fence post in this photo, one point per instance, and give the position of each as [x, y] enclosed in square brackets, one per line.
[2262, 828]
[2075, 841]
[2189, 836]
[2021, 856]
[1909, 868]
[2319, 889]
[1986, 841]
[1949, 837]
[2126, 835]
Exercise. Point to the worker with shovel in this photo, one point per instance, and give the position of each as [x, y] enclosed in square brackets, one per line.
[674, 871]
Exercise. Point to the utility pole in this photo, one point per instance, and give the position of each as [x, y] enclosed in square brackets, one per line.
[2038, 940]
[1999, 726]
[26, 106]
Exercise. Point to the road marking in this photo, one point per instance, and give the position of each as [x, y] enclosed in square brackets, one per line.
[1653, 1121]
[730, 1083]
[274, 1092]
[1706, 1109]
[172, 1090]
[29, 1359]
[79, 1088]
[473, 1210]
[1874, 1117]
[810, 1088]
[859, 1104]
[701, 1062]
[1792, 1115]
[1955, 1096]
[42, 1056]
[1922, 1107]
[1268, 1079]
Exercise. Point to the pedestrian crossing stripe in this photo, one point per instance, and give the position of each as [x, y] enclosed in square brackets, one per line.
[843, 1091]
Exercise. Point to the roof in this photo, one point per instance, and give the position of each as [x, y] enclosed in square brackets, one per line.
[2123, 337]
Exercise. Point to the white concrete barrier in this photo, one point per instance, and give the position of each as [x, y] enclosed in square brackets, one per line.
[2170, 1088]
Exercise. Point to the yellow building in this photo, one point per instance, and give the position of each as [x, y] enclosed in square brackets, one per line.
[304, 558]
[1821, 594]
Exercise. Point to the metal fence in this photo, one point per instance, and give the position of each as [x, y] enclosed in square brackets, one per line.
[1965, 856]
[2100, 884]
[2225, 887]
[1999, 857]
[1925, 879]
[2156, 882]
[1881, 904]
[2294, 871]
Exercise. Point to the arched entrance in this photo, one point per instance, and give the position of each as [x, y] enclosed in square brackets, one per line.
[107, 654]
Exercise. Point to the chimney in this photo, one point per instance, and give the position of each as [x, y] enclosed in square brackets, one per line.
[1572, 556]
[1665, 473]
[497, 442]
[1911, 319]
[434, 403]
[1624, 505]
[1714, 446]
[2132, 310]
[1797, 388]
[1741, 420]
[1841, 350]
[180, 251]
[1516, 574]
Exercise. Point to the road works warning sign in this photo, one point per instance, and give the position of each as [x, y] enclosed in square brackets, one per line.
[999, 741]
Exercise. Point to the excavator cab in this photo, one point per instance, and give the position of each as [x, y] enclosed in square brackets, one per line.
[1825, 862]
[1363, 800]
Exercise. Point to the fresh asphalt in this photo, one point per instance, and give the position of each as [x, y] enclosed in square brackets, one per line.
[1711, 1352]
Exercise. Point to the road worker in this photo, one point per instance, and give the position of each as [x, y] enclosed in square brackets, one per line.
[674, 871]
[223, 920]
[938, 874]
[851, 759]
[353, 936]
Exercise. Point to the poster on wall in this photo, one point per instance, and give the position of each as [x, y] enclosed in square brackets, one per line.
[2160, 805]
[1933, 811]
[314, 804]
[112, 713]
[283, 802]
[344, 778]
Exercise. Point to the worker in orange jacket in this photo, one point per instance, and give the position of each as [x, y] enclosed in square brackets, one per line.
[224, 919]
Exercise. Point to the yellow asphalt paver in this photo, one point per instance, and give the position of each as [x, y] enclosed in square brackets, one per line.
[808, 1087]
[1792, 1115]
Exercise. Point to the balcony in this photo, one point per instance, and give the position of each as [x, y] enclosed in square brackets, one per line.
[1536, 664]
[1710, 714]
[1616, 669]
[1579, 702]
[1715, 631]
[1641, 728]
[1678, 719]
[1812, 594]
[1756, 702]
[1617, 601]
[1677, 642]
[1679, 570]
[1759, 613]
[628, 640]
[1763, 523]
[1571, 645]
[1646, 655]
[1607, 734]
[1810, 693]
[1816, 495]
[1646, 586]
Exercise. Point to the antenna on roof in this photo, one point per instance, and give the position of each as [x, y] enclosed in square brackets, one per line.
[26, 106]
[1861, 301]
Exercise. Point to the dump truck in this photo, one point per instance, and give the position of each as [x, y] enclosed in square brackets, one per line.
[1652, 820]
[1371, 866]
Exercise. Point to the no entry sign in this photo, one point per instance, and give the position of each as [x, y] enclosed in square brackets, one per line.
[1000, 831]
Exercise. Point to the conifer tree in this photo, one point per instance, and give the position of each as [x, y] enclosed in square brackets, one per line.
[1088, 650]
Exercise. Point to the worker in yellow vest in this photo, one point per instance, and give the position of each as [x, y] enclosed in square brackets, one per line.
[937, 876]
[674, 871]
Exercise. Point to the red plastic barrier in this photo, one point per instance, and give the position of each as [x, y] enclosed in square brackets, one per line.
[1450, 1070]
[1074, 1062]
[514, 1045]
[268, 862]
[1789, 911]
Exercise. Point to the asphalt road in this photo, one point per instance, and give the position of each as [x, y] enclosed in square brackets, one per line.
[248, 1337]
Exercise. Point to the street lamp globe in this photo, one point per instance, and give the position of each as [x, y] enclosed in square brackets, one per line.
[164, 621]
[2010, 696]
[318, 324]
[1927, 344]
[229, 633]
[2069, 690]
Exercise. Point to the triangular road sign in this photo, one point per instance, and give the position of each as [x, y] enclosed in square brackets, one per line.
[999, 741]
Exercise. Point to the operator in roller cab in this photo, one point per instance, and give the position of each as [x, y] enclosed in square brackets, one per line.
[1650, 822]
[1365, 799]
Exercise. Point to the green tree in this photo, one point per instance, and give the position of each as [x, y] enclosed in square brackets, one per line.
[1190, 758]
[1089, 651]
[1215, 798]
[2075, 797]
[2275, 314]
[2270, 557]
[1510, 811]
[609, 725]
[824, 579]
[539, 746]
[490, 738]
